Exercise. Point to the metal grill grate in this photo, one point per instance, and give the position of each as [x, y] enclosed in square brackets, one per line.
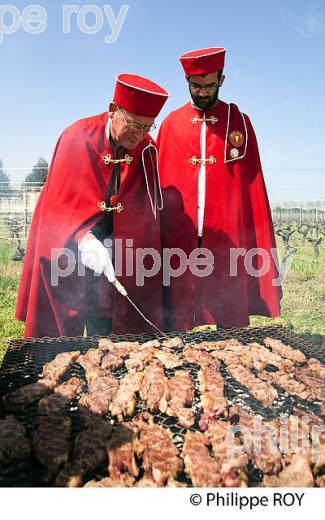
[24, 361]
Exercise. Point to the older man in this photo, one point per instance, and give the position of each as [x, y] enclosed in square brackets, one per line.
[103, 184]
[215, 200]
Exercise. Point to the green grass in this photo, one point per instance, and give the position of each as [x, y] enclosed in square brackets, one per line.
[303, 303]
[9, 279]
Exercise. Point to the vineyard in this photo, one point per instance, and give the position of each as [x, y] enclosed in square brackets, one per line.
[300, 235]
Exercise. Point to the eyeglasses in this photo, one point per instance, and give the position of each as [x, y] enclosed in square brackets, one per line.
[209, 87]
[136, 126]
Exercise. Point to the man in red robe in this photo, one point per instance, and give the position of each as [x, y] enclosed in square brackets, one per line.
[102, 189]
[215, 200]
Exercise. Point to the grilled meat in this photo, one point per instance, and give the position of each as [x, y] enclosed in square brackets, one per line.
[91, 359]
[51, 442]
[28, 394]
[70, 389]
[198, 357]
[203, 469]
[121, 453]
[14, 444]
[262, 357]
[154, 387]
[168, 359]
[285, 350]
[123, 403]
[121, 348]
[59, 365]
[155, 448]
[261, 440]
[213, 400]
[180, 395]
[173, 342]
[288, 383]
[123, 481]
[59, 402]
[296, 474]
[141, 358]
[261, 390]
[232, 463]
[102, 387]
[111, 360]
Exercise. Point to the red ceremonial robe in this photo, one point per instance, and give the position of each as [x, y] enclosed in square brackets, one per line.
[66, 210]
[236, 215]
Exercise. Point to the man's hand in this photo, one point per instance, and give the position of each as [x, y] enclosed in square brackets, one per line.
[96, 256]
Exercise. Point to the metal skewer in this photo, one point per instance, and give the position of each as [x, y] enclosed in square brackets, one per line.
[144, 317]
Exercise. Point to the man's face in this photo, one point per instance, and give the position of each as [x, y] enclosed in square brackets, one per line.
[204, 90]
[128, 130]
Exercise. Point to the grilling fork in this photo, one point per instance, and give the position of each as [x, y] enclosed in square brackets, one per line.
[119, 287]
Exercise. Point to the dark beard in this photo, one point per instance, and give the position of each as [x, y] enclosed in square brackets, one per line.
[205, 102]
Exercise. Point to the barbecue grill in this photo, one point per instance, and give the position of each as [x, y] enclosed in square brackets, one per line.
[25, 358]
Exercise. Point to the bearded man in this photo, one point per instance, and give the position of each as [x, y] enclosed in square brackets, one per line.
[215, 203]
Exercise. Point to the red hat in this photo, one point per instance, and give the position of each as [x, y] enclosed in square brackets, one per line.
[139, 95]
[203, 61]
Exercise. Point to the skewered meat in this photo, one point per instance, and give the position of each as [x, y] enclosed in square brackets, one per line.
[14, 444]
[181, 394]
[154, 388]
[261, 390]
[123, 403]
[285, 350]
[59, 365]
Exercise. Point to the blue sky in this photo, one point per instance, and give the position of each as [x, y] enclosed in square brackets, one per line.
[274, 72]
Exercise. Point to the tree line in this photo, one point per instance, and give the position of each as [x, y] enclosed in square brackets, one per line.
[37, 174]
